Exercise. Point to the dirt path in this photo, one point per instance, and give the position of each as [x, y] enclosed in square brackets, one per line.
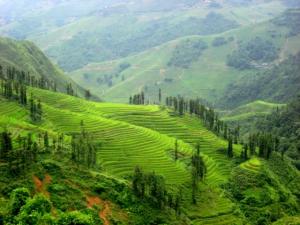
[41, 186]
[105, 212]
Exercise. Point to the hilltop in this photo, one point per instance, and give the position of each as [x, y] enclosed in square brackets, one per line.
[25, 56]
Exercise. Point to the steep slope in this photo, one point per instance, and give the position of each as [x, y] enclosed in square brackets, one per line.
[127, 136]
[207, 74]
[280, 84]
[25, 56]
[70, 32]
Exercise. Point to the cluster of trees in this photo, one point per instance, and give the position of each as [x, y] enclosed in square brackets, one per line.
[249, 54]
[152, 187]
[36, 111]
[24, 78]
[18, 158]
[206, 114]
[284, 124]
[138, 99]
[13, 90]
[186, 53]
[83, 150]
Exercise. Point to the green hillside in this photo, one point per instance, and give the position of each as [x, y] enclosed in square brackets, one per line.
[25, 56]
[207, 76]
[244, 112]
[127, 136]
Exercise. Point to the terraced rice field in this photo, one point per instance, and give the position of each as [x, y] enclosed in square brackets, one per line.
[144, 136]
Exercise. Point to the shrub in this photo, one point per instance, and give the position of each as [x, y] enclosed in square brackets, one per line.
[18, 199]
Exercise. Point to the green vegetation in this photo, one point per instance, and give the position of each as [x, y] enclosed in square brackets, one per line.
[290, 19]
[25, 56]
[250, 54]
[207, 77]
[218, 41]
[186, 53]
[280, 84]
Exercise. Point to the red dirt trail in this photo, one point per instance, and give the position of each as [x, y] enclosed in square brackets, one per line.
[103, 214]
[41, 186]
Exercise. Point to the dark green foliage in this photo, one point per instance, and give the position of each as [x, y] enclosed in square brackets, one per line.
[290, 19]
[262, 196]
[18, 199]
[230, 148]
[207, 114]
[6, 144]
[280, 84]
[138, 99]
[186, 53]
[36, 111]
[150, 187]
[75, 218]
[83, 149]
[198, 172]
[284, 126]
[250, 54]
[34, 210]
[219, 41]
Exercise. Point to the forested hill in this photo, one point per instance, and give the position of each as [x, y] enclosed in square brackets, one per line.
[279, 84]
[25, 56]
[286, 123]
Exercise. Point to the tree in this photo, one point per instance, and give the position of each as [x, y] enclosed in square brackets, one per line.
[159, 96]
[6, 144]
[138, 182]
[194, 185]
[245, 151]
[230, 148]
[46, 140]
[176, 150]
[88, 94]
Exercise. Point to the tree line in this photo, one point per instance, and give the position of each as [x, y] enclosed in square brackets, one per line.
[152, 188]
[25, 78]
[83, 150]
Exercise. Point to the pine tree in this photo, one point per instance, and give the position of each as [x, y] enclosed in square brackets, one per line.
[230, 148]
[159, 96]
[88, 94]
[176, 150]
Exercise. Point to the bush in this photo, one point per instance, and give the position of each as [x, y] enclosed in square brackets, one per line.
[35, 211]
[18, 199]
[75, 218]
